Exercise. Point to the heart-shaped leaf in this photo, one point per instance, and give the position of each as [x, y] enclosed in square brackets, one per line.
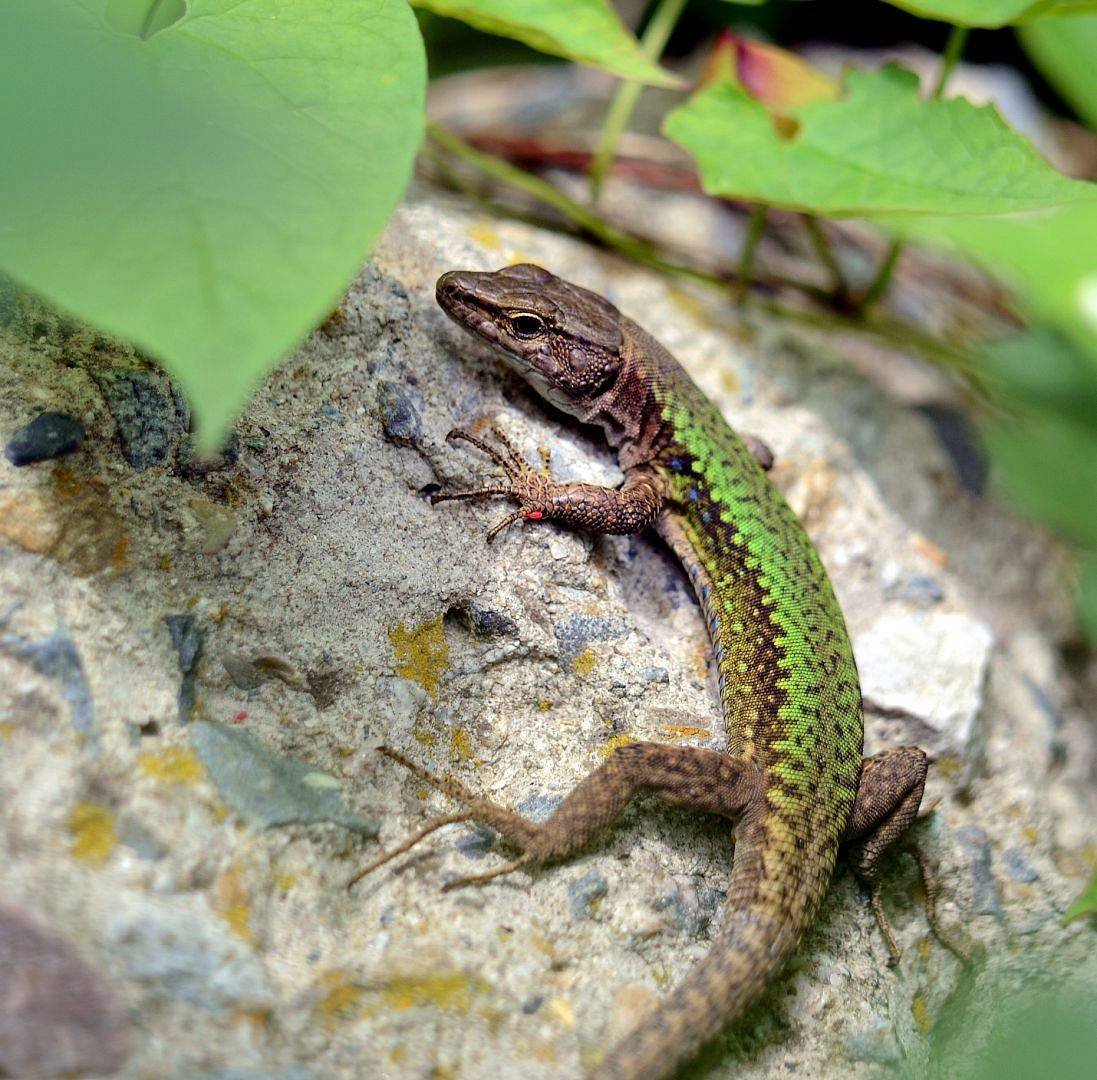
[203, 182]
[880, 148]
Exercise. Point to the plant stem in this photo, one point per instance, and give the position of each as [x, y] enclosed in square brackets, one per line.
[755, 227]
[957, 38]
[825, 254]
[583, 216]
[954, 47]
[652, 43]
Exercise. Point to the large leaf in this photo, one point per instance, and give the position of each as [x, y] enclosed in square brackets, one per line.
[207, 190]
[881, 147]
[1065, 51]
[586, 31]
[1046, 452]
[993, 12]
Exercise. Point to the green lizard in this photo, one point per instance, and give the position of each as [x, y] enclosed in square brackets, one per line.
[792, 780]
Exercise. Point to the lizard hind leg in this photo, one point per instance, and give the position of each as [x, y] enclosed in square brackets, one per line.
[888, 798]
[692, 777]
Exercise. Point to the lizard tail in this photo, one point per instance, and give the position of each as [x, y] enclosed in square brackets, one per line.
[750, 949]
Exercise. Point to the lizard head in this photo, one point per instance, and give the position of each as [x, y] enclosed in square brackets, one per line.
[565, 340]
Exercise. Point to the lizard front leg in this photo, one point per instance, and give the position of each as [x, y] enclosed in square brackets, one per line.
[692, 777]
[631, 508]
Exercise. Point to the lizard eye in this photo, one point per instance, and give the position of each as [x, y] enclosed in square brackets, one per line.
[526, 325]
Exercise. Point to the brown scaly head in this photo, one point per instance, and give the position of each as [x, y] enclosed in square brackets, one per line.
[565, 340]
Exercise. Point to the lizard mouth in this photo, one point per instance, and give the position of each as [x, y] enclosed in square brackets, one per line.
[457, 295]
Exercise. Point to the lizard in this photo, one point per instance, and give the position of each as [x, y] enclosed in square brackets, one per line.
[793, 782]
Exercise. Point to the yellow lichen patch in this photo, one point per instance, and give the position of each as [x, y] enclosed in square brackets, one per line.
[451, 990]
[92, 829]
[544, 704]
[285, 882]
[585, 662]
[342, 996]
[485, 234]
[422, 654]
[683, 731]
[231, 903]
[921, 1014]
[7, 729]
[561, 1009]
[613, 743]
[460, 744]
[173, 764]
[422, 732]
[948, 766]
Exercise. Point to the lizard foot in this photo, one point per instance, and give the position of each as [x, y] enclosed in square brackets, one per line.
[513, 826]
[531, 489]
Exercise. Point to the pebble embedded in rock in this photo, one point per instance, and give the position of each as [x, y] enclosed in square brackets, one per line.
[586, 893]
[56, 657]
[575, 633]
[48, 435]
[976, 843]
[400, 408]
[187, 637]
[269, 789]
[151, 415]
[57, 1014]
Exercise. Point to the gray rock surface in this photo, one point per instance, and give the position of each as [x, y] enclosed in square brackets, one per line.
[238, 950]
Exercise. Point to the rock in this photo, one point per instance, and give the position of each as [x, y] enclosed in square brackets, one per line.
[28, 519]
[151, 415]
[575, 633]
[182, 952]
[931, 666]
[976, 844]
[48, 435]
[585, 894]
[1018, 867]
[249, 673]
[267, 789]
[58, 1016]
[400, 406]
[187, 637]
[55, 657]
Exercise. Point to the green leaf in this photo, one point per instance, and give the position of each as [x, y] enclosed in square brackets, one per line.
[1046, 454]
[1087, 616]
[586, 31]
[1086, 904]
[1051, 257]
[992, 12]
[206, 191]
[1065, 51]
[880, 148]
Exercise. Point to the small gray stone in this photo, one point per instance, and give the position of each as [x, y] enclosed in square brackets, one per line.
[976, 844]
[56, 658]
[476, 843]
[400, 407]
[539, 808]
[655, 674]
[575, 633]
[57, 1015]
[138, 837]
[150, 413]
[921, 589]
[185, 954]
[186, 636]
[1018, 867]
[585, 893]
[48, 435]
[267, 789]
[486, 622]
[532, 1004]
